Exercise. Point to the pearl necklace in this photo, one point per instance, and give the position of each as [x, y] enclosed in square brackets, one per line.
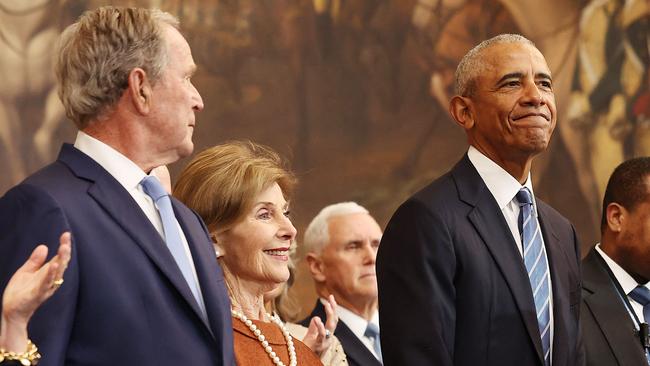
[265, 344]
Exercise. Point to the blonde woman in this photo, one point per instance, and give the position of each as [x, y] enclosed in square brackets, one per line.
[242, 192]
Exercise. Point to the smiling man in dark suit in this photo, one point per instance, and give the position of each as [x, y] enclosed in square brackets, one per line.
[473, 269]
[616, 292]
[143, 286]
[340, 246]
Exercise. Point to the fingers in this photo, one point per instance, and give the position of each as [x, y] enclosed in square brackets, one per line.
[311, 337]
[321, 329]
[34, 282]
[53, 270]
[312, 331]
[315, 332]
[45, 280]
[62, 257]
[332, 301]
[36, 260]
[330, 311]
[65, 243]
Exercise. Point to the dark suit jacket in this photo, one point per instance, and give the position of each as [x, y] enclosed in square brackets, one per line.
[609, 331]
[124, 300]
[355, 351]
[453, 289]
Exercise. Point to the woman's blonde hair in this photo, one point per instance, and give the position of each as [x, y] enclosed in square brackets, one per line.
[221, 182]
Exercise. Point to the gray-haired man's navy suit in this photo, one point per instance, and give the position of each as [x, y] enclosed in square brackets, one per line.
[124, 300]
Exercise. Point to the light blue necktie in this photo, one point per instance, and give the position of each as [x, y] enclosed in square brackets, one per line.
[372, 332]
[537, 268]
[152, 187]
[641, 294]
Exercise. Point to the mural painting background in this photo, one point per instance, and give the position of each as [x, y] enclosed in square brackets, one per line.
[355, 92]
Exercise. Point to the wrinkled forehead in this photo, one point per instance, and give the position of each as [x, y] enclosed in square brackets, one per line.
[506, 58]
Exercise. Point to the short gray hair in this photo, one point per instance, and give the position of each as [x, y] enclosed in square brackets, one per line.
[317, 233]
[97, 53]
[471, 65]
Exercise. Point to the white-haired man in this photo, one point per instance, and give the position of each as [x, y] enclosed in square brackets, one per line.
[340, 247]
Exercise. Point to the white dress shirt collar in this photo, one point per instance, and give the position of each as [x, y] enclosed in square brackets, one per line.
[499, 182]
[357, 324]
[126, 172]
[627, 282]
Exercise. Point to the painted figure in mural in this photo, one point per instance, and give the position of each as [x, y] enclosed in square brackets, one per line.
[474, 269]
[28, 29]
[608, 119]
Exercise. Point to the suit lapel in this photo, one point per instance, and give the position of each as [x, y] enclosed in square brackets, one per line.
[604, 303]
[128, 215]
[355, 350]
[490, 224]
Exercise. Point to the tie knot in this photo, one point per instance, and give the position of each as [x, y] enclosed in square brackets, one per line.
[152, 187]
[372, 331]
[641, 294]
[524, 197]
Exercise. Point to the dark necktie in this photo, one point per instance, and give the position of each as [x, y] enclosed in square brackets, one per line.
[537, 268]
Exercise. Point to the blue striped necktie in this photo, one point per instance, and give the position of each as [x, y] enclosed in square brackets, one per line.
[537, 268]
[152, 187]
[641, 294]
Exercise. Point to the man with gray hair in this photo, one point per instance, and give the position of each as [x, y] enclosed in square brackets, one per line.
[143, 286]
[340, 246]
[473, 269]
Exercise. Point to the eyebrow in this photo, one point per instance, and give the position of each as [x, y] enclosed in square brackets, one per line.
[267, 203]
[519, 75]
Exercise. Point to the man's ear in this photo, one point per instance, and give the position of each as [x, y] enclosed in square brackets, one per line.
[316, 267]
[461, 111]
[616, 216]
[140, 90]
